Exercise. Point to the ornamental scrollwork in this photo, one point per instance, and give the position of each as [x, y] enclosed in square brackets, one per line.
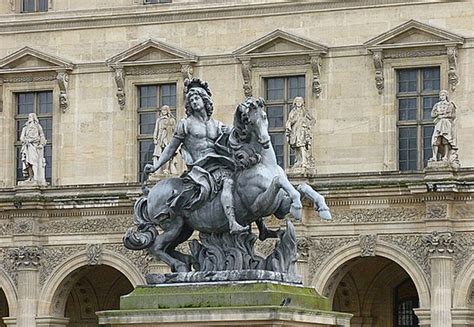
[120, 82]
[453, 79]
[367, 245]
[341, 215]
[315, 62]
[27, 257]
[379, 78]
[63, 82]
[94, 254]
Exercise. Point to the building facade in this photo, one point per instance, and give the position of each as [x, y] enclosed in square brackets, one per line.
[398, 251]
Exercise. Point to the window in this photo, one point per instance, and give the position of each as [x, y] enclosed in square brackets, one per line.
[149, 2]
[406, 299]
[418, 91]
[150, 98]
[279, 95]
[40, 103]
[34, 5]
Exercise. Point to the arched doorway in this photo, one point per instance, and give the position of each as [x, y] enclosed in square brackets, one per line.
[89, 289]
[377, 291]
[4, 311]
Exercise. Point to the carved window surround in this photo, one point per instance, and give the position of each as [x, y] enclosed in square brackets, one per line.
[150, 58]
[280, 51]
[15, 6]
[410, 41]
[28, 65]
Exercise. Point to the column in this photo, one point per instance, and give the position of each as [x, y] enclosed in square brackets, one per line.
[441, 290]
[27, 261]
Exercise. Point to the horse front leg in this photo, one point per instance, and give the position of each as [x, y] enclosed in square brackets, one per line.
[318, 200]
[172, 230]
[296, 207]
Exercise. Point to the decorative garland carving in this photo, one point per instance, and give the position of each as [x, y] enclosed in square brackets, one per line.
[414, 246]
[319, 249]
[140, 259]
[367, 245]
[315, 62]
[436, 211]
[280, 62]
[88, 225]
[23, 226]
[377, 214]
[27, 257]
[414, 54]
[8, 264]
[152, 70]
[187, 71]
[30, 79]
[453, 79]
[94, 254]
[378, 63]
[247, 75]
[63, 82]
[120, 82]
[54, 256]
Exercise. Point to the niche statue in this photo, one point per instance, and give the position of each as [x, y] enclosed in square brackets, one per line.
[32, 151]
[443, 140]
[232, 179]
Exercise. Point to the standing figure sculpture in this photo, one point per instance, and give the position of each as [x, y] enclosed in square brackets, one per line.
[162, 135]
[299, 133]
[443, 141]
[32, 150]
[209, 173]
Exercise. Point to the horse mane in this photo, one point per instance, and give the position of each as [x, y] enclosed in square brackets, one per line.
[243, 152]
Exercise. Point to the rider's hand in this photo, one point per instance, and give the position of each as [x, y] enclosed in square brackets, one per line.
[226, 129]
[148, 169]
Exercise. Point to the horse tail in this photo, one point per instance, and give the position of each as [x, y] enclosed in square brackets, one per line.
[141, 235]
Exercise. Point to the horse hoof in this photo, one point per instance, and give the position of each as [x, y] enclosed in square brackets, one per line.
[325, 214]
[296, 212]
[237, 229]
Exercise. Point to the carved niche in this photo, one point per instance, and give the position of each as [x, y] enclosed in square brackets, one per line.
[278, 49]
[150, 57]
[28, 65]
[414, 39]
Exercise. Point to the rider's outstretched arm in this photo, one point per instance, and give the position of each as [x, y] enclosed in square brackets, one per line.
[165, 156]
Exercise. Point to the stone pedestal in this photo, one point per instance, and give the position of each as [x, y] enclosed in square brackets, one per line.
[224, 304]
[441, 290]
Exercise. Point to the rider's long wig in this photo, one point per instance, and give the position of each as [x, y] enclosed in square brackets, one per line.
[206, 98]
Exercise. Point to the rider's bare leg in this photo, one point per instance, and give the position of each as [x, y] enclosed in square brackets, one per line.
[318, 200]
[227, 201]
[157, 248]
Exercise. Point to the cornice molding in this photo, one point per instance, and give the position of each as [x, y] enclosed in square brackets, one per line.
[135, 16]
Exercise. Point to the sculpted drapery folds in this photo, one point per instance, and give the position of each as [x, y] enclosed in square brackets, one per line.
[32, 150]
[162, 135]
[299, 133]
[208, 172]
[443, 140]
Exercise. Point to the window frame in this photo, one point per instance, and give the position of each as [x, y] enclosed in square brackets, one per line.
[18, 117]
[139, 110]
[419, 123]
[21, 4]
[389, 102]
[286, 103]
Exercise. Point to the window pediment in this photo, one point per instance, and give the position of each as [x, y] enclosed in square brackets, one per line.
[149, 58]
[31, 65]
[151, 52]
[413, 34]
[279, 43]
[280, 48]
[31, 60]
[414, 39]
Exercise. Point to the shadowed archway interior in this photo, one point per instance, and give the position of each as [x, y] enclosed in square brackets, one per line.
[4, 312]
[378, 292]
[96, 288]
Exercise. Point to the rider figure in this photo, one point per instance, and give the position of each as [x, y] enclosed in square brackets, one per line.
[208, 172]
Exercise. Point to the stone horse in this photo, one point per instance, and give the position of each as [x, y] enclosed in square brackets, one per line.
[261, 188]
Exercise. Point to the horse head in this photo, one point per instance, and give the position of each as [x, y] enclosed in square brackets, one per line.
[251, 123]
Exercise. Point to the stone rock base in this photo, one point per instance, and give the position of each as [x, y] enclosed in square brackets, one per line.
[224, 304]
